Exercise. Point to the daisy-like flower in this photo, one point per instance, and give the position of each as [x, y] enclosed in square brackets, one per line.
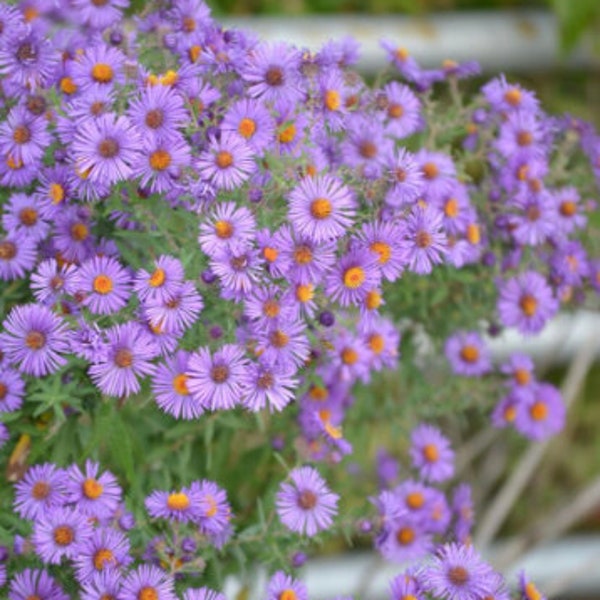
[183, 505]
[227, 162]
[106, 584]
[238, 268]
[526, 302]
[384, 240]
[130, 349]
[170, 388]
[177, 312]
[157, 112]
[225, 224]
[272, 72]
[23, 215]
[100, 66]
[467, 353]
[306, 505]
[23, 135]
[268, 385]
[215, 381]
[426, 242]
[59, 532]
[321, 208]
[352, 278]
[541, 413]
[520, 367]
[161, 282]
[401, 110]
[34, 339]
[94, 495]
[439, 173]
[431, 454]
[148, 581]
[104, 552]
[284, 587]
[251, 120]
[213, 512]
[12, 390]
[507, 97]
[17, 255]
[105, 148]
[285, 344]
[35, 583]
[160, 162]
[103, 284]
[404, 537]
[43, 488]
[99, 15]
[457, 572]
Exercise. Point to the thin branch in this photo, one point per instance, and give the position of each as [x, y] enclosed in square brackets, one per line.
[500, 507]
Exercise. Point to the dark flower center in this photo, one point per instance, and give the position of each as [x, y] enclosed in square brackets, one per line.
[123, 358]
[368, 150]
[99, 2]
[63, 535]
[40, 490]
[35, 340]
[21, 134]
[219, 373]
[28, 216]
[56, 282]
[274, 76]
[458, 575]
[155, 118]
[265, 381]
[36, 105]
[26, 51]
[239, 263]
[279, 339]
[108, 148]
[8, 250]
[97, 108]
[307, 500]
[423, 239]
[3, 391]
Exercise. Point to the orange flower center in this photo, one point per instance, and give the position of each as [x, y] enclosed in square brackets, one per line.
[332, 100]
[451, 208]
[64, 535]
[349, 356]
[430, 170]
[67, 86]
[180, 384]
[528, 305]
[405, 536]
[354, 277]
[510, 413]
[373, 300]
[568, 208]
[79, 232]
[147, 593]
[21, 134]
[102, 558]
[247, 128]
[28, 216]
[522, 376]
[415, 500]
[524, 138]
[431, 453]
[458, 575]
[287, 134]
[307, 500]
[223, 229]
[302, 255]
[154, 118]
[160, 160]
[376, 343]
[92, 489]
[469, 353]
[512, 96]
[423, 239]
[157, 278]
[271, 309]
[320, 208]
[473, 233]
[40, 490]
[305, 293]
[383, 250]
[270, 254]
[102, 73]
[178, 501]
[224, 159]
[56, 193]
[279, 339]
[539, 411]
[531, 592]
[103, 284]
[395, 111]
[8, 250]
[288, 594]
[35, 340]
[123, 358]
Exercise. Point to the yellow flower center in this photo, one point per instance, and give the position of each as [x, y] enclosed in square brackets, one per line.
[354, 277]
[92, 489]
[287, 134]
[157, 278]
[180, 384]
[271, 309]
[67, 86]
[373, 300]
[103, 558]
[223, 229]
[451, 208]
[383, 250]
[56, 193]
[302, 255]
[178, 501]
[305, 293]
[288, 594]
[332, 100]
[147, 593]
[532, 592]
[102, 73]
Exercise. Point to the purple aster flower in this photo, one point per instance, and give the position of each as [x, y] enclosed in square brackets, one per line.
[59, 532]
[99, 15]
[42, 489]
[103, 284]
[568, 210]
[34, 338]
[100, 66]
[507, 97]
[569, 264]
[28, 59]
[251, 120]
[17, 255]
[158, 112]
[457, 572]
[537, 220]
[226, 224]
[541, 413]
[520, 367]
[170, 388]
[214, 513]
[403, 538]
[284, 344]
[382, 339]
[183, 506]
[12, 390]
[160, 162]
[202, 593]
[306, 505]
[526, 302]
[352, 278]
[51, 281]
[331, 104]
[104, 552]
[165, 279]
[94, 495]
[406, 586]
[106, 584]
[238, 268]
[272, 72]
[431, 454]
[521, 131]
[106, 148]
[176, 313]
[23, 135]
[350, 357]
[227, 162]
[402, 110]
[265, 307]
[284, 587]
[384, 240]
[268, 385]
[215, 381]
[468, 354]
[401, 59]
[148, 581]
[439, 173]
[35, 583]
[321, 208]
[426, 241]
[130, 348]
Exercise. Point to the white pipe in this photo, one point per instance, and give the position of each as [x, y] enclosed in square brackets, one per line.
[499, 40]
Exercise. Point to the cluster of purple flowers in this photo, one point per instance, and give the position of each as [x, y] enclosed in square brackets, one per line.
[79, 521]
[304, 204]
